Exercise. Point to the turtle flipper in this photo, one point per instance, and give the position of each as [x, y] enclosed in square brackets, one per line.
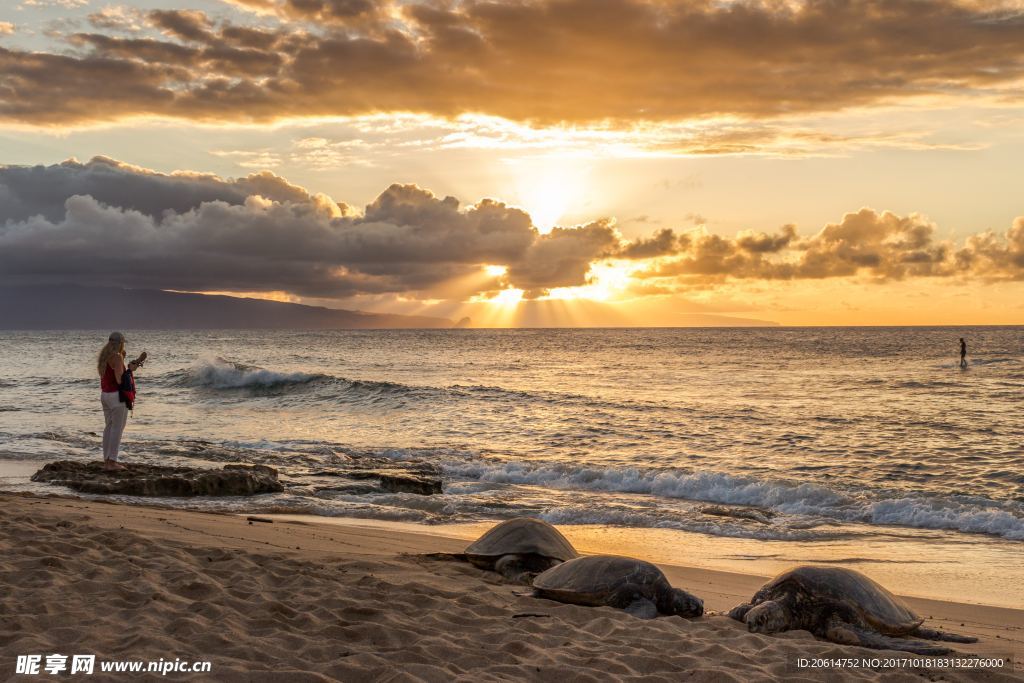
[844, 633]
[739, 612]
[515, 568]
[642, 608]
[930, 634]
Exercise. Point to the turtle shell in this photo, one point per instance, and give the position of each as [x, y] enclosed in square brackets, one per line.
[879, 608]
[522, 536]
[593, 580]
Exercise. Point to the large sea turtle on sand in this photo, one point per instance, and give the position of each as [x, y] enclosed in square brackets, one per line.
[841, 605]
[520, 548]
[636, 586]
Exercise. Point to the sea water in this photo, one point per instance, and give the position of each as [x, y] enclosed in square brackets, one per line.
[745, 449]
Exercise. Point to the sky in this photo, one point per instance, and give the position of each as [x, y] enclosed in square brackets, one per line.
[531, 162]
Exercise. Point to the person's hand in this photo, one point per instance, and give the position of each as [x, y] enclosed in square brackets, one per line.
[137, 363]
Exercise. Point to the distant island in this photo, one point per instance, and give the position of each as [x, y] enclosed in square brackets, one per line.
[69, 307]
[710, 320]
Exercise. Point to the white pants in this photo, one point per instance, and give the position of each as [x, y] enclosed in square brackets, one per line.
[115, 415]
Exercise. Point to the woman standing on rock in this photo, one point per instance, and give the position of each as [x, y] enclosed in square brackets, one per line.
[111, 368]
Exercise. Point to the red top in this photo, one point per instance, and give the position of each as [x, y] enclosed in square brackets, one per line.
[109, 380]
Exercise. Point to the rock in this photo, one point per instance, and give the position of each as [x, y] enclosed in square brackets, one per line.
[425, 486]
[760, 515]
[420, 478]
[401, 481]
[156, 480]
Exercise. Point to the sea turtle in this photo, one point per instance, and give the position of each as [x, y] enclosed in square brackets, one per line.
[624, 582]
[520, 548]
[841, 605]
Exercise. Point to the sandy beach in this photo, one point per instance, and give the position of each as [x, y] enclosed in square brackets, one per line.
[294, 600]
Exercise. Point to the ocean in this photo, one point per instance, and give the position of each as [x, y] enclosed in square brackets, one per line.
[739, 449]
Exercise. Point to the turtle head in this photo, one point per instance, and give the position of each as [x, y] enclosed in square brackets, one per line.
[768, 617]
[685, 604]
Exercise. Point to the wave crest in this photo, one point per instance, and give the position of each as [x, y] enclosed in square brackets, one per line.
[220, 373]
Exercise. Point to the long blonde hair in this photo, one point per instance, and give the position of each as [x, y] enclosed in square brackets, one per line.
[108, 350]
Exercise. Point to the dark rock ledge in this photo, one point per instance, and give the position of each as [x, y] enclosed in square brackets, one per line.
[155, 480]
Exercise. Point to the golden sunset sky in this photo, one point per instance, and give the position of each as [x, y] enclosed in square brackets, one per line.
[543, 162]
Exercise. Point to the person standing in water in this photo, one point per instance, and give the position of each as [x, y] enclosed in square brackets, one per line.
[111, 368]
[963, 353]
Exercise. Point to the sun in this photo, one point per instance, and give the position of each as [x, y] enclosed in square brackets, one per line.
[548, 190]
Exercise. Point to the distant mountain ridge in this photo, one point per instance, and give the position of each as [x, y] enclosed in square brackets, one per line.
[66, 307]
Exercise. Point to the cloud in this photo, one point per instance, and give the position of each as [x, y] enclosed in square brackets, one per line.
[993, 256]
[6, 28]
[761, 243]
[66, 4]
[563, 257]
[662, 243]
[105, 222]
[345, 12]
[877, 245]
[118, 18]
[542, 61]
[30, 190]
[187, 25]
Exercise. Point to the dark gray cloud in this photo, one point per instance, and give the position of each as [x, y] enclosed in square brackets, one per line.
[30, 190]
[662, 243]
[104, 222]
[538, 60]
[191, 25]
[562, 257]
[762, 243]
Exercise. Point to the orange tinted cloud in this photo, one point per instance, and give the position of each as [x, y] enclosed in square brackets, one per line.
[544, 61]
[877, 245]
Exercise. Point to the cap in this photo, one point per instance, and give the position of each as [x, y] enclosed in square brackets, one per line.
[117, 337]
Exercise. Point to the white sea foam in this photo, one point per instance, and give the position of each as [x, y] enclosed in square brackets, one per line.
[786, 497]
[942, 513]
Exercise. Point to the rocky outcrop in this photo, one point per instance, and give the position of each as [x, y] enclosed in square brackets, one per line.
[156, 480]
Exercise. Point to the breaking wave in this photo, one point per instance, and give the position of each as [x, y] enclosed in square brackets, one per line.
[811, 501]
[224, 374]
